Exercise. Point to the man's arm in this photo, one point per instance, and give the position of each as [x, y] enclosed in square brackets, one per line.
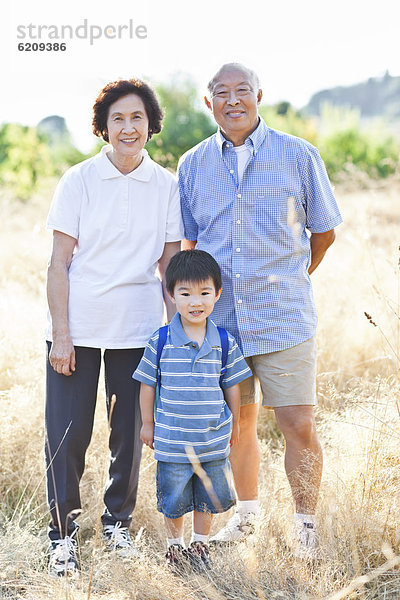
[320, 243]
[188, 244]
[170, 249]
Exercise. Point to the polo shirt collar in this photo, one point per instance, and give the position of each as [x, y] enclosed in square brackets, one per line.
[107, 170]
[253, 141]
[179, 338]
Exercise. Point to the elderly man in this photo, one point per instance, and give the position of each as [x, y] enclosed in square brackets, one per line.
[249, 195]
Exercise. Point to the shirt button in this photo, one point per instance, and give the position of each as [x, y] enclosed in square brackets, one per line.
[240, 301]
[193, 345]
[237, 274]
[237, 249]
[231, 171]
[239, 195]
[238, 221]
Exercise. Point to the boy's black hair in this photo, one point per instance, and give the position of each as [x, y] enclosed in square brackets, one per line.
[192, 266]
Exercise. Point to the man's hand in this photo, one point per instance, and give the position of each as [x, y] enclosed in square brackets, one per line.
[62, 355]
[147, 434]
[320, 243]
[235, 434]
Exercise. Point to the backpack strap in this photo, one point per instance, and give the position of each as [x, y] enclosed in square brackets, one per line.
[162, 338]
[223, 334]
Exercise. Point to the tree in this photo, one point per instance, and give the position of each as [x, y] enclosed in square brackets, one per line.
[24, 158]
[184, 125]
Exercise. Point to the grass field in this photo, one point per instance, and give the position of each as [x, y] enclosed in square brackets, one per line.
[358, 421]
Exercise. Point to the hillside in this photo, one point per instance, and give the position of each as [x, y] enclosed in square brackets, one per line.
[357, 417]
[376, 97]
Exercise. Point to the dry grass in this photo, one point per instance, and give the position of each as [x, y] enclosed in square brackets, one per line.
[358, 420]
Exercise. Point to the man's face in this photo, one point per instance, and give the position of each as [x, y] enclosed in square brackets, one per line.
[234, 104]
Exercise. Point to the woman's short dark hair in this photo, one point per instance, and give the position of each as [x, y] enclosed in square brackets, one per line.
[117, 89]
[192, 266]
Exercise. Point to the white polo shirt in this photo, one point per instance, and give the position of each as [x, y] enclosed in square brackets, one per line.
[121, 223]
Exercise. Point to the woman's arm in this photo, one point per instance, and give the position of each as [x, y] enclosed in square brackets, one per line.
[170, 249]
[232, 398]
[147, 395]
[62, 353]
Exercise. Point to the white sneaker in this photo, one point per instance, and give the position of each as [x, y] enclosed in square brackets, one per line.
[238, 528]
[63, 561]
[118, 540]
[306, 541]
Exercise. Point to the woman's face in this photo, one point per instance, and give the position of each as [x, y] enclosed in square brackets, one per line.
[127, 126]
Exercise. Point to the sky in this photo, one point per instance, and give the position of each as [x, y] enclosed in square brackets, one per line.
[297, 48]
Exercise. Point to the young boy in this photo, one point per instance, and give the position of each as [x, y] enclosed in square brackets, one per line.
[195, 421]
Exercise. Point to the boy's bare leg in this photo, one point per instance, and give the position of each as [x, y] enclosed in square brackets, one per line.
[201, 523]
[174, 528]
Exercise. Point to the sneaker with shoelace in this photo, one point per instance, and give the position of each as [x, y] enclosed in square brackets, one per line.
[63, 561]
[199, 556]
[306, 544]
[238, 528]
[117, 539]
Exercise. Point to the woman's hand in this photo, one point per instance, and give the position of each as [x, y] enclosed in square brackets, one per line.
[147, 434]
[62, 355]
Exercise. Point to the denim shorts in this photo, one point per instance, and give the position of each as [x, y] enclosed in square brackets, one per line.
[181, 490]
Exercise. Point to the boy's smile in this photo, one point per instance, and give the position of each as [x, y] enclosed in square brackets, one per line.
[195, 301]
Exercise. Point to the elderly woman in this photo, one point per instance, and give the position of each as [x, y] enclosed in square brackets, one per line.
[115, 219]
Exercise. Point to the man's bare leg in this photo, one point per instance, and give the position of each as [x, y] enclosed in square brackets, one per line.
[245, 456]
[245, 463]
[303, 455]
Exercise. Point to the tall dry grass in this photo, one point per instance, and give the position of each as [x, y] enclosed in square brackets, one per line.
[358, 421]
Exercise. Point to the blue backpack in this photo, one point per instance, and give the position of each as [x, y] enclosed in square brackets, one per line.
[162, 338]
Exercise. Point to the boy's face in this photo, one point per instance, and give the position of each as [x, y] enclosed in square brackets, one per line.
[195, 300]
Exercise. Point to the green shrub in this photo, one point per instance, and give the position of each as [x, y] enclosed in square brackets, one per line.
[284, 117]
[346, 145]
[25, 158]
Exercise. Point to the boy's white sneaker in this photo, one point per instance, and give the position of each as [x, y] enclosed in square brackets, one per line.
[238, 528]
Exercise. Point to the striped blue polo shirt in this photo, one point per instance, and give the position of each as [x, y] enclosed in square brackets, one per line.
[257, 229]
[191, 410]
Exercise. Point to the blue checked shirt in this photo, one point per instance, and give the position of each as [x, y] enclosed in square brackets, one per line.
[257, 232]
[191, 410]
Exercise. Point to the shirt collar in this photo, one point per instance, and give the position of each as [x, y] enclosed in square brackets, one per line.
[107, 170]
[179, 337]
[253, 141]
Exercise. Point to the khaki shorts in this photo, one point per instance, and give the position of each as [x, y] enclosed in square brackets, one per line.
[286, 377]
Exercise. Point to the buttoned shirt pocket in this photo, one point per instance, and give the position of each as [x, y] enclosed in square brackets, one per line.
[278, 204]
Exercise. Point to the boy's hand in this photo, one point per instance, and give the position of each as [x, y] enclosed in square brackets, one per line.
[235, 434]
[147, 434]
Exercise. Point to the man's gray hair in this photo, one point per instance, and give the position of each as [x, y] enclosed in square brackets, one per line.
[234, 67]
